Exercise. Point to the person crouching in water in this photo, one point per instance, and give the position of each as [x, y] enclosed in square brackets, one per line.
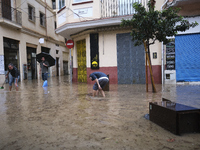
[101, 80]
[14, 76]
[44, 68]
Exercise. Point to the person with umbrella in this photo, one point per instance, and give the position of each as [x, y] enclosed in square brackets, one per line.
[44, 65]
[46, 61]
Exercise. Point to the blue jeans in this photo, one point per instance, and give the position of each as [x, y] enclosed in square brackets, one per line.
[44, 76]
[12, 79]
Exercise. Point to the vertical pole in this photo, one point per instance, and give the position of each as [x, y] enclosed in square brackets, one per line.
[46, 18]
[150, 68]
[146, 74]
[162, 64]
[70, 62]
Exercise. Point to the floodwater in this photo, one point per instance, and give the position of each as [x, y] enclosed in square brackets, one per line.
[65, 117]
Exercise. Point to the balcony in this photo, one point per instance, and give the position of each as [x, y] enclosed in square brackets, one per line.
[110, 14]
[10, 16]
[119, 7]
[188, 7]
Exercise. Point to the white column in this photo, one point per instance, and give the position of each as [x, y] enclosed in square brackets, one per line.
[2, 76]
[22, 58]
[38, 65]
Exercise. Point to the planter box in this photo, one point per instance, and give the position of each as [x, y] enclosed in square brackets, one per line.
[174, 117]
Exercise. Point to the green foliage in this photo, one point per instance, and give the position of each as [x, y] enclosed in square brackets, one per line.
[155, 25]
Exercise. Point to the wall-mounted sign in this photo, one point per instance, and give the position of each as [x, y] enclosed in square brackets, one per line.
[94, 50]
[41, 40]
[83, 12]
[170, 56]
[155, 55]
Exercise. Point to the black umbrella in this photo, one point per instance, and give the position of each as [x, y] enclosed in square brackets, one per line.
[47, 57]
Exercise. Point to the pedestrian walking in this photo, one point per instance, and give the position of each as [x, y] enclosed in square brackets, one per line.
[101, 80]
[14, 76]
[44, 65]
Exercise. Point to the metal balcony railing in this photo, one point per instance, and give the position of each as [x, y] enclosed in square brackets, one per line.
[112, 8]
[11, 14]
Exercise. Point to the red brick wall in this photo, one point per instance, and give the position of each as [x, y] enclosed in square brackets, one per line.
[75, 75]
[112, 71]
[156, 73]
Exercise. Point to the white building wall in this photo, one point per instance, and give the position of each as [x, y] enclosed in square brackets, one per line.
[195, 29]
[107, 49]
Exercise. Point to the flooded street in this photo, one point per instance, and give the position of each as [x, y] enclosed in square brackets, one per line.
[64, 117]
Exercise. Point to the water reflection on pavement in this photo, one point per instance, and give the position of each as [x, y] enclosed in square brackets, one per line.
[65, 116]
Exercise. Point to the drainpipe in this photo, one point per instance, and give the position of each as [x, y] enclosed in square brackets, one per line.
[46, 17]
[162, 47]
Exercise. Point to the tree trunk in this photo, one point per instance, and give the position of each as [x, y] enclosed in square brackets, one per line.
[146, 72]
[147, 50]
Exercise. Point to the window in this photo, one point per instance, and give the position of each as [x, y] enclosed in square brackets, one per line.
[57, 51]
[61, 4]
[42, 20]
[80, 1]
[55, 25]
[31, 13]
[54, 4]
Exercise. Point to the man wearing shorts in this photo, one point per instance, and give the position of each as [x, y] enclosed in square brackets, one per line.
[101, 80]
[14, 76]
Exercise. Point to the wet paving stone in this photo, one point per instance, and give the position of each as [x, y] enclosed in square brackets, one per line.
[65, 116]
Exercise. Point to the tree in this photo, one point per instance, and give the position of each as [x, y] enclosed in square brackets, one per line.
[149, 25]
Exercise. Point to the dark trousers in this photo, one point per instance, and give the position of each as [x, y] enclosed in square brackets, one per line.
[44, 76]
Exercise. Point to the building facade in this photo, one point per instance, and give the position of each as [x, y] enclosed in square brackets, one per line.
[27, 28]
[100, 44]
[182, 54]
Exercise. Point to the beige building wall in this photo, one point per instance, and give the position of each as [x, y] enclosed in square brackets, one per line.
[107, 49]
[156, 48]
[31, 32]
[71, 12]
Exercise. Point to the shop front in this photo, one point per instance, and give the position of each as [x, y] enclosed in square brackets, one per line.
[11, 53]
[31, 63]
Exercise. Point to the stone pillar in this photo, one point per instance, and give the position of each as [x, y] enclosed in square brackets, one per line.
[38, 65]
[2, 76]
[22, 57]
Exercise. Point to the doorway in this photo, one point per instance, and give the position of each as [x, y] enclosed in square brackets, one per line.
[81, 54]
[130, 61]
[65, 67]
[45, 49]
[57, 66]
[11, 52]
[31, 63]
